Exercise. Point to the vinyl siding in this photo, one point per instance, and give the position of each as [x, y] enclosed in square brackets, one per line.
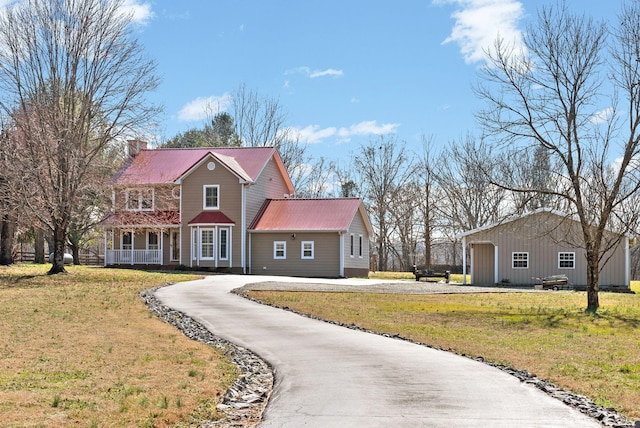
[269, 185]
[326, 261]
[483, 264]
[543, 236]
[357, 228]
[230, 196]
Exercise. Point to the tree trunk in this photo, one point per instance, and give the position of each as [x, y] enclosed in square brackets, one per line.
[75, 252]
[39, 247]
[593, 287]
[7, 232]
[59, 239]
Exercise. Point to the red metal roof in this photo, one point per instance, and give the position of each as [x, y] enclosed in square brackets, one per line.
[211, 217]
[306, 214]
[142, 218]
[168, 165]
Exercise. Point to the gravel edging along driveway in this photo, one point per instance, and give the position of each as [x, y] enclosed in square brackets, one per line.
[245, 401]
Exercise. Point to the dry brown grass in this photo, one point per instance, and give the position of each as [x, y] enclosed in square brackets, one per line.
[81, 349]
[548, 334]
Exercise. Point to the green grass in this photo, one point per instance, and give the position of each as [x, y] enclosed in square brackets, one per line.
[548, 333]
[81, 349]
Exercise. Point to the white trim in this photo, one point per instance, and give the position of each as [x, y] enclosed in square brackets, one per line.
[201, 232]
[513, 260]
[204, 197]
[243, 229]
[284, 249]
[627, 264]
[495, 263]
[464, 260]
[341, 238]
[572, 260]
[140, 192]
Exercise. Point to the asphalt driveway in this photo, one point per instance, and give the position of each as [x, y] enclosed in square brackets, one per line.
[330, 376]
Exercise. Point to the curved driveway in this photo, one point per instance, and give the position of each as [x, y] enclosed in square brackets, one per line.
[330, 376]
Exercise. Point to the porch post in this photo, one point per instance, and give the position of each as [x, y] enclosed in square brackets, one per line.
[495, 264]
[161, 239]
[104, 263]
[133, 245]
[627, 281]
[464, 260]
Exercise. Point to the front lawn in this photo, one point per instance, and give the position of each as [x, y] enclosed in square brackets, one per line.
[546, 333]
[81, 349]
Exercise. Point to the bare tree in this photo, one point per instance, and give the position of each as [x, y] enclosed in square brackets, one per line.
[72, 78]
[550, 99]
[383, 166]
[469, 200]
[426, 198]
[261, 121]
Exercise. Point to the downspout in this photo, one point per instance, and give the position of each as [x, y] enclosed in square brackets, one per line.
[243, 229]
[250, 271]
[341, 236]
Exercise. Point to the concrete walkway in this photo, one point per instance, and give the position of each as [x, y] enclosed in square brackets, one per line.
[329, 376]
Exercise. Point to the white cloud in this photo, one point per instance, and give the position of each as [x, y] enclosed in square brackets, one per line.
[478, 23]
[140, 12]
[602, 116]
[313, 134]
[201, 108]
[313, 74]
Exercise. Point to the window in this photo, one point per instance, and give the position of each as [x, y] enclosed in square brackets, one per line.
[206, 244]
[566, 260]
[139, 199]
[360, 246]
[211, 197]
[520, 260]
[152, 241]
[279, 249]
[127, 240]
[351, 247]
[224, 244]
[307, 249]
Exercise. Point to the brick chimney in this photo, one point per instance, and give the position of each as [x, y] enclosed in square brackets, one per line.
[134, 147]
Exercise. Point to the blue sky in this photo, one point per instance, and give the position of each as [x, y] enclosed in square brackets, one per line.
[345, 71]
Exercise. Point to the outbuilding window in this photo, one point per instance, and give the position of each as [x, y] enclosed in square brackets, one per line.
[566, 260]
[520, 260]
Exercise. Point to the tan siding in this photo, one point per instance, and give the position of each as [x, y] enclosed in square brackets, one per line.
[483, 264]
[357, 228]
[230, 204]
[325, 263]
[269, 185]
[543, 237]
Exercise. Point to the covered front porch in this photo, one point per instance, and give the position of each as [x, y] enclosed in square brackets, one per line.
[142, 246]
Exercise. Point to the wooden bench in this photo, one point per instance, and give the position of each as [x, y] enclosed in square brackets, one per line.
[422, 272]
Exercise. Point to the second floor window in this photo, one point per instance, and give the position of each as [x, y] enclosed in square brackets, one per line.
[211, 197]
[139, 199]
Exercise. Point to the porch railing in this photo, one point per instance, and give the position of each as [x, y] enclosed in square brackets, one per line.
[133, 257]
